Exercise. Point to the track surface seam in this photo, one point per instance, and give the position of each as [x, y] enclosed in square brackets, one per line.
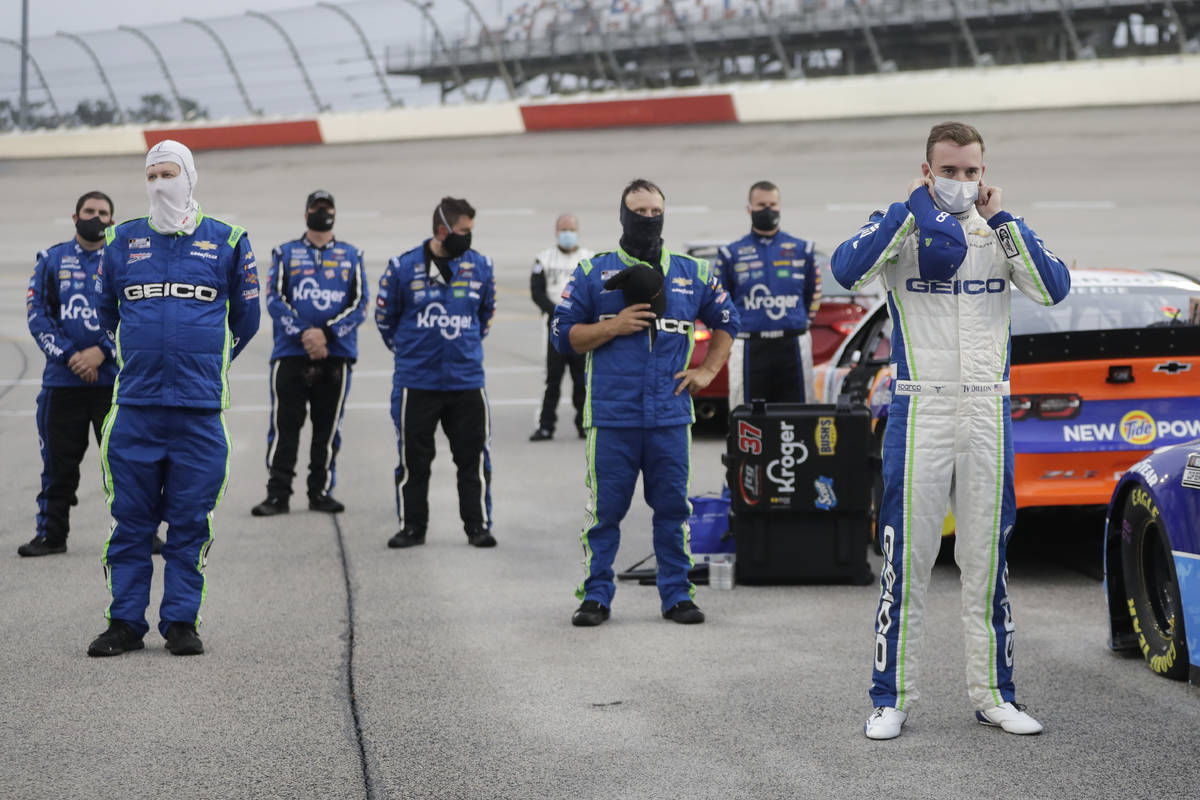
[368, 784]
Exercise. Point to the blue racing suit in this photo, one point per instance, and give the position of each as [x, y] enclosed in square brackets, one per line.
[635, 422]
[776, 287]
[434, 322]
[180, 308]
[61, 313]
[948, 441]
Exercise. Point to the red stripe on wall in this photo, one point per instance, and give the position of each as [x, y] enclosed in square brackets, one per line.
[230, 137]
[623, 113]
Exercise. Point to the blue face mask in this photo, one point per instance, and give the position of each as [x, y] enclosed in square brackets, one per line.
[568, 240]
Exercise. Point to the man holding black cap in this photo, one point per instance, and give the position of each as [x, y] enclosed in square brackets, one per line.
[776, 286]
[78, 378]
[317, 296]
[632, 312]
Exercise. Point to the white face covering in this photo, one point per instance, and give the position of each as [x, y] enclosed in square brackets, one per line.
[172, 207]
[954, 196]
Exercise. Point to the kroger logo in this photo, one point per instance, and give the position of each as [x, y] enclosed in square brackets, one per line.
[760, 298]
[451, 325]
[322, 299]
[78, 308]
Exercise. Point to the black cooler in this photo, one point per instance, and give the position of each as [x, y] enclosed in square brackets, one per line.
[801, 484]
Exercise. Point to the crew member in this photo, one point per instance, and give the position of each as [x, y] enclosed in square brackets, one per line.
[179, 296]
[317, 296]
[78, 378]
[434, 308]
[632, 311]
[551, 270]
[776, 286]
[946, 258]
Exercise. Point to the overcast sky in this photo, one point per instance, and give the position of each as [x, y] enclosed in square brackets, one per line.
[80, 16]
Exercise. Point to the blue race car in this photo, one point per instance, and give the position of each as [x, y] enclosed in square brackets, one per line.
[1152, 561]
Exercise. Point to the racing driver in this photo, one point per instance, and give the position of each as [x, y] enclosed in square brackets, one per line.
[631, 311]
[946, 257]
[179, 295]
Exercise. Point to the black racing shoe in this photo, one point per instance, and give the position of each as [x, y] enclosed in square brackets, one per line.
[407, 537]
[580, 430]
[589, 614]
[157, 546]
[118, 639]
[41, 546]
[541, 435]
[325, 503]
[685, 612]
[480, 537]
[182, 640]
[270, 507]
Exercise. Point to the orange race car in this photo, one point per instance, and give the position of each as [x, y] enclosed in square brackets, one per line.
[1098, 381]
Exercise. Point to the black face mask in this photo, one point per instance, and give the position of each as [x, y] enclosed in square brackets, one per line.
[641, 237]
[641, 284]
[455, 244]
[91, 230]
[320, 220]
[764, 219]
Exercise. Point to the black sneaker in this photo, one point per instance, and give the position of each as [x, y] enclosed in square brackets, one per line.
[182, 640]
[407, 537]
[118, 639]
[41, 546]
[157, 546]
[589, 614]
[480, 537]
[541, 435]
[270, 507]
[325, 503]
[685, 612]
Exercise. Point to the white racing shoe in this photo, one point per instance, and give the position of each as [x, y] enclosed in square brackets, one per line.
[885, 722]
[1010, 718]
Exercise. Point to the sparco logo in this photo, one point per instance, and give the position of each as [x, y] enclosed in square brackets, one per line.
[77, 308]
[791, 453]
[883, 622]
[322, 299]
[776, 306]
[184, 291]
[451, 325]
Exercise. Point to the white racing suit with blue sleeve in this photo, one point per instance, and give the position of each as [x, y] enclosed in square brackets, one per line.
[948, 441]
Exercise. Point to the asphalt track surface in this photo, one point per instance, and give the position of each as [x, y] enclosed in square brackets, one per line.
[338, 668]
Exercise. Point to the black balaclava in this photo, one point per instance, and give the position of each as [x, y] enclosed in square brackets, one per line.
[764, 219]
[641, 237]
[642, 284]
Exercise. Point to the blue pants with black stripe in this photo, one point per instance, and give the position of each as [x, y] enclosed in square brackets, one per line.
[615, 458]
[161, 465]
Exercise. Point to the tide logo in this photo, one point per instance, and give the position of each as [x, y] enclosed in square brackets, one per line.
[1138, 428]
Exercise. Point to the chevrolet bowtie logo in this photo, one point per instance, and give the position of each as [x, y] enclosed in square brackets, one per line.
[1172, 367]
[205, 245]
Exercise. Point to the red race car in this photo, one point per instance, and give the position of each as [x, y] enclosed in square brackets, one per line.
[838, 315]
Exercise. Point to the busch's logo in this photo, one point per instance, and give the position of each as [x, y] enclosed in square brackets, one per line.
[78, 308]
[776, 306]
[322, 299]
[451, 325]
[826, 436]
[792, 452]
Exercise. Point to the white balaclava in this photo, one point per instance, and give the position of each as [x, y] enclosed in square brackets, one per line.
[172, 205]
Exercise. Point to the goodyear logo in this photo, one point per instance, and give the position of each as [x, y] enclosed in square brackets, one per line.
[826, 436]
[205, 245]
[1137, 427]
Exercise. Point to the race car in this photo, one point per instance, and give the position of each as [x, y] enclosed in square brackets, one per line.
[1097, 381]
[1152, 562]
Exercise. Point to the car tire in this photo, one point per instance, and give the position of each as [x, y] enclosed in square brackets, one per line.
[1151, 588]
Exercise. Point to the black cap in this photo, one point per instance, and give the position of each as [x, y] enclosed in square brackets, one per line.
[320, 195]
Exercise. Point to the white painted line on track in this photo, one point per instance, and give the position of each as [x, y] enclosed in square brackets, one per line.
[1074, 205]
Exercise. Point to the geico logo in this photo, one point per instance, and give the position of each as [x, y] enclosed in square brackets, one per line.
[183, 291]
[322, 299]
[970, 286]
[674, 326]
[77, 308]
[450, 325]
[791, 452]
[883, 622]
[760, 299]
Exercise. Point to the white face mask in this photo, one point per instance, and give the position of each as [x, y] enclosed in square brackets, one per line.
[172, 208]
[954, 196]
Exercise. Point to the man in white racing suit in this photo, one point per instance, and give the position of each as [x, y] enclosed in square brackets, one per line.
[947, 257]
